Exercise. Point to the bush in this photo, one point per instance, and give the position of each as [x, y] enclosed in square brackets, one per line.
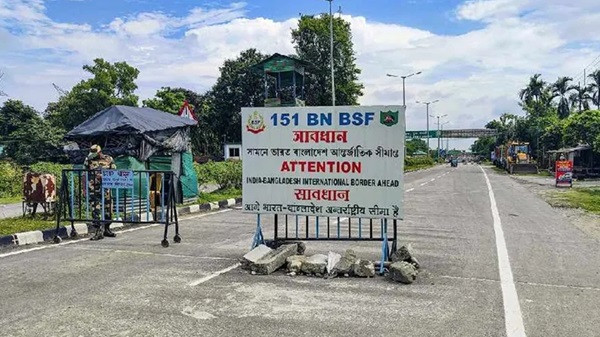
[11, 180]
[225, 174]
[410, 162]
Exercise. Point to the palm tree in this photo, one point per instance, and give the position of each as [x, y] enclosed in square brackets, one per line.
[594, 87]
[534, 89]
[561, 88]
[580, 97]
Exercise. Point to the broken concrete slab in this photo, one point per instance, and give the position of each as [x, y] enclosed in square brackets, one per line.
[332, 261]
[344, 266]
[294, 263]
[403, 253]
[254, 255]
[274, 259]
[403, 272]
[363, 268]
[315, 264]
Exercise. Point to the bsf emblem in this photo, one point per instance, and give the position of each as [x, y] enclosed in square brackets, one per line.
[255, 123]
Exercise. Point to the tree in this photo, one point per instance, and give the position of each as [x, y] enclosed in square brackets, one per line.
[14, 115]
[111, 84]
[594, 87]
[484, 145]
[552, 138]
[584, 128]
[166, 99]
[35, 141]
[560, 89]
[580, 97]
[235, 88]
[27, 136]
[312, 44]
[415, 145]
[533, 91]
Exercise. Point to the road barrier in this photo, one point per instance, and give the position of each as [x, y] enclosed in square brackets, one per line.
[117, 196]
[317, 228]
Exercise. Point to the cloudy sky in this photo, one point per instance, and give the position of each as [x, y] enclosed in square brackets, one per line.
[475, 54]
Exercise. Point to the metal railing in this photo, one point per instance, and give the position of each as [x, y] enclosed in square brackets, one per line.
[135, 197]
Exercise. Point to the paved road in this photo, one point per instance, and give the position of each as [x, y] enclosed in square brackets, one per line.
[11, 210]
[548, 283]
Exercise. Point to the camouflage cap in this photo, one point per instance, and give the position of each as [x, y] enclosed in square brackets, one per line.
[95, 148]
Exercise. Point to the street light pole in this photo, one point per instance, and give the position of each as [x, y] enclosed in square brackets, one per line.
[331, 53]
[404, 77]
[438, 131]
[427, 116]
[440, 135]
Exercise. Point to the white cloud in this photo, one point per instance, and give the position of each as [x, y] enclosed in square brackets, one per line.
[475, 75]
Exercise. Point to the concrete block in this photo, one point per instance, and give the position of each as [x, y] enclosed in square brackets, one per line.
[363, 268]
[230, 202]
[214, 206]
[294, 263]
[344, 266]
[114, 225]
[183, 210]
[274, 260]
[315, 264]
[402, 272]
[194, 208]
[254, 255]
[27, 238]
[403, 253]
[81, 228]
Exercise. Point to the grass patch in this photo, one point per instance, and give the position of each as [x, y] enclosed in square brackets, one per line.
[416, 167]
[10, 200]
[20, 224]
[585, 198]
[221, 194]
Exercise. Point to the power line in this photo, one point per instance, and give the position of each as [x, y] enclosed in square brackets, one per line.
[592, 64]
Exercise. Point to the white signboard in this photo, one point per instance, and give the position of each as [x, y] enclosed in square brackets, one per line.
[117, 179]
[345, 161]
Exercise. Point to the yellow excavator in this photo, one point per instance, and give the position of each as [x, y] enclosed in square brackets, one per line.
[517, 158]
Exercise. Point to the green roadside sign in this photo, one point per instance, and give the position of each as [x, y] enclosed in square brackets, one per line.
[420, 134]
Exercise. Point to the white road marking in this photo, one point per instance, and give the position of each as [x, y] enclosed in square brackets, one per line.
[432, 180]
[87, 239]
[513, 318]
[213, 275]
[410, 190]
[423, 184]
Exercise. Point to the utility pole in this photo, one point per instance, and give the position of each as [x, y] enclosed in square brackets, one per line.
[331, 53]
[427, 116]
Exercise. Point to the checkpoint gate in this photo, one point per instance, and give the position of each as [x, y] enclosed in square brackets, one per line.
[135, 197]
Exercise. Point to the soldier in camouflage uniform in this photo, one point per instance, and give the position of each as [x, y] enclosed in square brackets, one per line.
[96, 160]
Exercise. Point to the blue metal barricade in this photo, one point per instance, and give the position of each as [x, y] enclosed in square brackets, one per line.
[117, 196]
[337, 229]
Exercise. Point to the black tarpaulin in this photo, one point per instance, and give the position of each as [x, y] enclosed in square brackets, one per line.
[120, 119]
[131, 131]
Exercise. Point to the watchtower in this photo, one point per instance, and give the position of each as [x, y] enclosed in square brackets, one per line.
[283, 80]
